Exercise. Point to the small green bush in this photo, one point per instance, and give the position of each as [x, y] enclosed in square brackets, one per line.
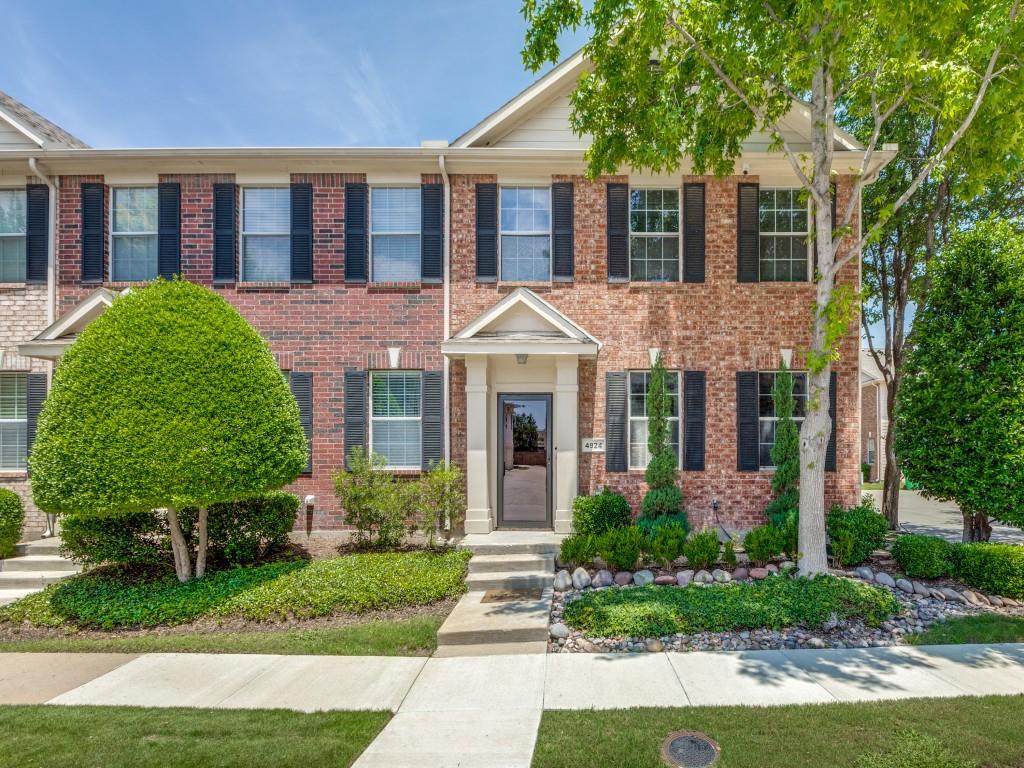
[597, 514]
[651, 525]
[923, 557]
[578, 549]
[773, 603]
[789, 528]
[12, 515]
[994, 568]
[622, 547]
[441, 497]
[702, 550]
[856, 531]
[661, 501]
[375, 503]
[763, 543]
[729, 555]
[135, 538]
[245, 531]
[667, 543]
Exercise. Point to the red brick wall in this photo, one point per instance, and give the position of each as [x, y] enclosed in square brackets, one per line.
[720, 327]
[324, 328]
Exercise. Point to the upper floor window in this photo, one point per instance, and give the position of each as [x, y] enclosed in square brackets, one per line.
[394, 234]
[639, 381]
[767, 419]
[783, 221]
[133, 234]
[396, 418]
[526, 233]
[12, 235]
[13, 420]
[266, 234]
[654, 235]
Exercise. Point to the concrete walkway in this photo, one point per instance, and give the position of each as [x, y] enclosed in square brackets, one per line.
[484, 711]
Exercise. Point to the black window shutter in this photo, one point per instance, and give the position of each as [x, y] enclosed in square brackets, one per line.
[694, 415]
[486, 233]
[562, 265]
[433, 414]
[302, 233]
[693, 233]
[355, 232]
[92, 232]
[224, 233]
[617, 232]
[355, 412]
[615, 432]
[830, 449]
[747, 454]
[748, 232]
[35, 392]
[168, 237]
[37, 232]
[301, 383]
[431, 234]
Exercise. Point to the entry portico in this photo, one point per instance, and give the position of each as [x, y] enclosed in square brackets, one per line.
[519, 354]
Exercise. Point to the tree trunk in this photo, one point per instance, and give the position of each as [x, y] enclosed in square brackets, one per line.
[182, 560]
[201, 546]
[976, 527]
[891, 481]
[814, 435]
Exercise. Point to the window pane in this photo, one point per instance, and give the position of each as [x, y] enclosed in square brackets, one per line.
[395, 209]
[13, 403]
[134, 209]
[13, 412]
[266, 258]
[525, 209]
[12, 259]
[396, 394]
[398, 442]
[13, 445]
[12, 211]
[266, 210]
[525, 257]
[396, 258]
[134, 258]
[638, 443]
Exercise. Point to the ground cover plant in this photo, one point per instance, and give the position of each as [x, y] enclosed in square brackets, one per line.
[775, 602]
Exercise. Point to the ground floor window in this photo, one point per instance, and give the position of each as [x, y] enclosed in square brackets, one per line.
[639, 381]
[396, 418]
[13, 420]
[767, 420]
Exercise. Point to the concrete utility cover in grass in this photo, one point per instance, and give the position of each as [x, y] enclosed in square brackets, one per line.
[689, 749]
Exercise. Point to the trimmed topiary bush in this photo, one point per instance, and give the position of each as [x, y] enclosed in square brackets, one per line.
[785, 453]
[994, 568]
[763, 543]
[12, 515]
[701, 550]
[594, 515]
[650, 526]
[578, 549]
[923, 557]
[856, 532]
[664, 496]
[169, 399]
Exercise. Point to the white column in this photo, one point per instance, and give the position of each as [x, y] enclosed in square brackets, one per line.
[478, 464]
[567, 440]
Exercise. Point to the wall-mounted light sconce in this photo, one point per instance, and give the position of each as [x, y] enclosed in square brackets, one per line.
[394, 356]
[653, 353]
[787, 357]
[521, 359]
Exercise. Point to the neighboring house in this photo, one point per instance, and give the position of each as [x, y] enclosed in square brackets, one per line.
[419, 298]
[874, 423]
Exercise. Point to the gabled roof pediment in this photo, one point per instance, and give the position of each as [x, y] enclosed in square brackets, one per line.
[51, 342]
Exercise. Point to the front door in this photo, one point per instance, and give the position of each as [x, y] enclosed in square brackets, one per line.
[524, 461]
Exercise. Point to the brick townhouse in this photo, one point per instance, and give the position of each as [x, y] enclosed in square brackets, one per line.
[480, 300]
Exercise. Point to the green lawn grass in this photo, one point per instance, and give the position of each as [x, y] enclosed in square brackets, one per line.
[982, 628]
[97, 737]
[410, 637]
[984, 729]
[871, 486]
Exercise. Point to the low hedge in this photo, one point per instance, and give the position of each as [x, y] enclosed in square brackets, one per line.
[923, 557]
[117, 597]
[994, 568]
[855, 532]
[595, 515]
[774, 603]
[12, 515]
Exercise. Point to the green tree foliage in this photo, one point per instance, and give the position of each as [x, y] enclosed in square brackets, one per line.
[663, 496]
[12, 515]
[375, 502]
[669, 79]
[170, 399]
[785, 453]
[441, 499]
[960, 415]
[525, 435]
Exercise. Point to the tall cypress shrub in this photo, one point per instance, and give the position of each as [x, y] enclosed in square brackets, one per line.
[663, 496]
[785, 454]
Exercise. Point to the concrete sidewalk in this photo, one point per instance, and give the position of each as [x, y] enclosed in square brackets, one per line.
[484, 711]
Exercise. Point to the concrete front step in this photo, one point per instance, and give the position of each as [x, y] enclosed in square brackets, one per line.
[8, 596]
[513, 543]
[48, 546]
[31, 579]
[505, 563]
[509, 580]
[38, 563]
[475, 622]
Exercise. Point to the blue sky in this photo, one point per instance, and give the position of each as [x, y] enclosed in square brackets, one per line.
[230, 73]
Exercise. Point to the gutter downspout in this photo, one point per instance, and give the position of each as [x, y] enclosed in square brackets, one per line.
[446, 278]
[51, 245]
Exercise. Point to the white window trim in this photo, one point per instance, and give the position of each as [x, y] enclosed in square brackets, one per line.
[112, 235]
[531, 233]
[418, 419]
[798, 419]
[17, 421]
[369, 217]
[631, 418]
[679, 234]
[242, 234]
[806, 234]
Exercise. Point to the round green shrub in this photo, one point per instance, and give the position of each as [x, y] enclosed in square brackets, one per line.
[169, 398]
[244, 531]
[651, 525]
[923, 557]
[132, 538]
[578, 549]
[701, 550]
[994, 568]
[667, 543]
[621, 547]
[661, 501]
[859, 530]
[763, 543]
[594, 515]
[12, 515]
